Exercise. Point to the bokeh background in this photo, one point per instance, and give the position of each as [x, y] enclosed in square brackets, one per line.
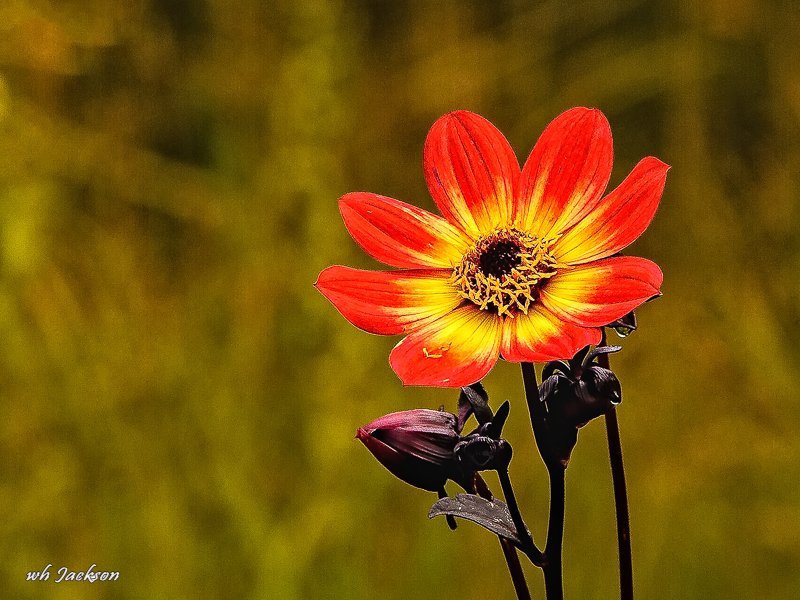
[179, 403]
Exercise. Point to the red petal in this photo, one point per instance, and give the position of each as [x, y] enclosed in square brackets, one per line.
[471, 172]
[388, 302]
[596, 294]
[400, 234]
[566, 173]
[619, 219]
[456, 350]
[540, 336]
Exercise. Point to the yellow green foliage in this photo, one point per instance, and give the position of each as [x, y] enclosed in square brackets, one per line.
[179, 404]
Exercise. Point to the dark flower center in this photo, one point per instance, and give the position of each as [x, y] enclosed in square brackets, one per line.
[499, 258]
[504, 270]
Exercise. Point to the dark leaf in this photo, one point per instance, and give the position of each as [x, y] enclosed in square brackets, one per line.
[474, 400]
[577, 361]
[464, 412]
[490, 514]
[554, 367]
[451, 520]
[499, 419]
[601, 350]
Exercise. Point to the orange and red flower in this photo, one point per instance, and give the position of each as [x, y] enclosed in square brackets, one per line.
[523, 264]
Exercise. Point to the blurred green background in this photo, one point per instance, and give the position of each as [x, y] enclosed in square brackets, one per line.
[178, 402]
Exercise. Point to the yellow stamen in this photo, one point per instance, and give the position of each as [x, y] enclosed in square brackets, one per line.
[504, 270]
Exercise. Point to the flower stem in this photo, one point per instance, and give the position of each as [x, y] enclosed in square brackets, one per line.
[556, 471]
[527, 545]
[555, 534]
[509, 550]
[620, 495]
[534, 405]
[515, 568]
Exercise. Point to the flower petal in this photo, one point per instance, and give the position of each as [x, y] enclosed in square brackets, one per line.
[456, 350]
[541, 336]
[596, 294]
[400, 234]
[566, 173]
[471, 172]
[618, 219]
[388, 302]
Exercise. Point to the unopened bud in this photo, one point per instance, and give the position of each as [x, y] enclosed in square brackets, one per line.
[574, 393]
[582, 390]
[479, 452]
[596, 392]
[415, 445]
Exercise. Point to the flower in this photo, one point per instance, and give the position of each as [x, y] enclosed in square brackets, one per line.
[523, 263]
[415, 445]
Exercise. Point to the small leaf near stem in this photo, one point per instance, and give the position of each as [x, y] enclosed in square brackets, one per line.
[451, 520]
[473, 399]
[620, 494]
[491, 514]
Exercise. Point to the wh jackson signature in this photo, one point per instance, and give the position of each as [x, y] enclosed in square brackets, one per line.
[65, 574]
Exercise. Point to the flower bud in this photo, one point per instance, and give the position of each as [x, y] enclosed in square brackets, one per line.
[574, 393]
[558, 435]
[580, 390]
[415, 445]
[596, 392]
[478, 452]
[578, 400]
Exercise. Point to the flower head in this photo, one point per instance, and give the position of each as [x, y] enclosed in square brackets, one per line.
[523, 263]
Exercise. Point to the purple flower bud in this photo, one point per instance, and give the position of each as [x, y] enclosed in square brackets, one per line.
[415, 445]
[595, 393]
[478, 452]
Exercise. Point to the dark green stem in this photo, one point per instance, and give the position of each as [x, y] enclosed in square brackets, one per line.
[556, 470]
[515, 569]
[509, 550]
[527, 545]
[535, 408]
[620, 495]
[555, 534]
